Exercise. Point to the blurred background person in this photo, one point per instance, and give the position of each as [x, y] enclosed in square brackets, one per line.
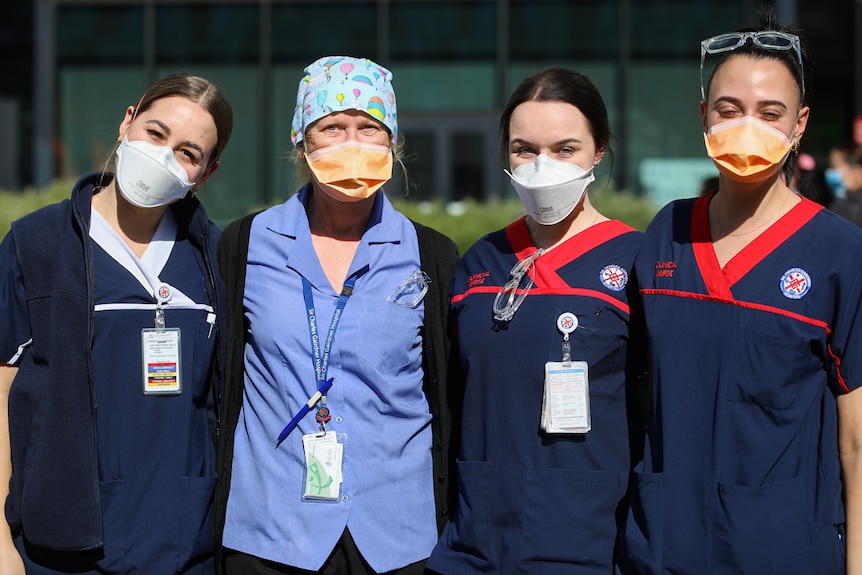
[807, 180]
[845, 175]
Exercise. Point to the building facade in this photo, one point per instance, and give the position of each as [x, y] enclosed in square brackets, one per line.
[455, 62]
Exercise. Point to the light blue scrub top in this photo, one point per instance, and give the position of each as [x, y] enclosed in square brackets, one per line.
[376, 401]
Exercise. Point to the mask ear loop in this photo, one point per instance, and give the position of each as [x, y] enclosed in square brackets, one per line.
[120, 139]
[135, 113]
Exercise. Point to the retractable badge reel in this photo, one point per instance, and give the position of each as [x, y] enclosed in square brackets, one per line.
[567, 323]
[160, 348]
[566, 398]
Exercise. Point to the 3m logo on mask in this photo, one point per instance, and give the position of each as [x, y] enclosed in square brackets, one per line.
[149, 176]
[550, 189]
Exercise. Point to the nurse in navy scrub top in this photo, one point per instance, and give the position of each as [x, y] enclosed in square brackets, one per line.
[543, 334]
[752, 298]
[112, 312]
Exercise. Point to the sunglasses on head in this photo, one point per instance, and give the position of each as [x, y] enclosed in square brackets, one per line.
[769, 39]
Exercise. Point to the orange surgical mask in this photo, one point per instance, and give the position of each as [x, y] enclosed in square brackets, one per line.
[351, 171]
[746, 150]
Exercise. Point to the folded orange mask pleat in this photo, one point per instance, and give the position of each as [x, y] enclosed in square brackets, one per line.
[746, 150]
[351, 171]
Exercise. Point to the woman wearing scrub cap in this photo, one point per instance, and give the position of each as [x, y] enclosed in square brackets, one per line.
[542, 323]
[113, 320]
[752, 299]
[334, 450]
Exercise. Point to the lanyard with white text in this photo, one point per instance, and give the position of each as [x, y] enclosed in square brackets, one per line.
[321, 359]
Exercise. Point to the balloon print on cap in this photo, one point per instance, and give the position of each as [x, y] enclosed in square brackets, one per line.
[335, 83]
[376, 108]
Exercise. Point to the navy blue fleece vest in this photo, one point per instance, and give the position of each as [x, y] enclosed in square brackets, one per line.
[54, 491]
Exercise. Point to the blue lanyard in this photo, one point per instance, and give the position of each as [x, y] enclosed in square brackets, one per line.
[321, 359]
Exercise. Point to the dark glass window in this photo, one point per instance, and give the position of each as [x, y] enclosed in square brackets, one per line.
[443, 30]
[468, 166]
[672, 30]
[99, 35]
[207, 33]
[419, 161]
[562, 30]
[304, 32]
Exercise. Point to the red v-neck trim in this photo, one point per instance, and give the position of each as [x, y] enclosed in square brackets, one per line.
[518, 236]
[544, 272]
[769, 240]
[704, 253]
[719, 281]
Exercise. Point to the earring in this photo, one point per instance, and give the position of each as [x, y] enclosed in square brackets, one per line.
[795, 147]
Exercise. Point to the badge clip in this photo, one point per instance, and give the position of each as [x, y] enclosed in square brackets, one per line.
[567, 323]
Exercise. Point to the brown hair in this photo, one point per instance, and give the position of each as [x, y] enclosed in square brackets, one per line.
[560, 85]
[198, 90]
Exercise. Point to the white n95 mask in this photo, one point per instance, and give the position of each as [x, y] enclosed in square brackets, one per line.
[550, 189]
[149, 176]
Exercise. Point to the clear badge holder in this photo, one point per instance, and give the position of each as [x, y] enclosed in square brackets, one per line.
[324, 457]
[566, 397]
[161, 351]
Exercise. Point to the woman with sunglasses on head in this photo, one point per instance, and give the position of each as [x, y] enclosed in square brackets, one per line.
[541, 316]
[112, 321]
[752, 299]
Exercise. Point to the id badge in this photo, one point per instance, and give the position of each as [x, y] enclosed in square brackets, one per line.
[161, 353]
[323, 457]
[566, 400]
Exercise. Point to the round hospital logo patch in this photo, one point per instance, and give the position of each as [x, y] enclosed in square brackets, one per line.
[795, 283]
[614, 277]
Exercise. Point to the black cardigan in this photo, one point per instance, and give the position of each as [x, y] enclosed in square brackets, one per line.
[438, 256]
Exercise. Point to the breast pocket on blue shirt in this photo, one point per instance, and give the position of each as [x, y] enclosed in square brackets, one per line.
[389, 336]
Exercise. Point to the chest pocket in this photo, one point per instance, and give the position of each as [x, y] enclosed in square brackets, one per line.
[601, 340]
[388, 335]
[761, 376]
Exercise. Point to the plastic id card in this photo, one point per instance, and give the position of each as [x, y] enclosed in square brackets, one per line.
[323, 457]
[566, 400]
[161, 353]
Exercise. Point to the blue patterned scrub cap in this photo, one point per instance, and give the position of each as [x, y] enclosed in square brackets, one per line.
[337, 83]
